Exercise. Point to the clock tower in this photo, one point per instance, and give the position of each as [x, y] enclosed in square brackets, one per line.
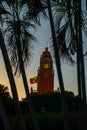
[45, 73]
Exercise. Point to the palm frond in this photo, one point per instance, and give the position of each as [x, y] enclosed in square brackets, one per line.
[18, 21]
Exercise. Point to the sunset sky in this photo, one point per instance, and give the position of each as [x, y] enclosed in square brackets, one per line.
[69, 72]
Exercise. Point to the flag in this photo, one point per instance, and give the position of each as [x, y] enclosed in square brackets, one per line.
[34, 80]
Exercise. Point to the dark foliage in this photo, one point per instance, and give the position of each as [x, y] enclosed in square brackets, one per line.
[48, 121]
[50, 102]
[7, 100]
[48, 108]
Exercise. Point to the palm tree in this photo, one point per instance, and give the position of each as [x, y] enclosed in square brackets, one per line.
[63, 100]
[79, 75]
[11, 80]
[71, 18]
[81, 63]
[19, 40]
[73, 43]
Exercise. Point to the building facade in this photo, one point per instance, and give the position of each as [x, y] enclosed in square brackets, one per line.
[45, 73]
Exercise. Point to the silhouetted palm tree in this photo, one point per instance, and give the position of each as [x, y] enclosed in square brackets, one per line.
[72, 26]
[82, 69]
[18, 39]
[57, 59]
[12, 82]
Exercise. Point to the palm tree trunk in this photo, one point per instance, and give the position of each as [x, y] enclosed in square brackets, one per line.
[4, 117]
[29, 101]
[82, 66]
[80, 70]
[63, 98]
[78, 63]
[12, 83]
[79, 76]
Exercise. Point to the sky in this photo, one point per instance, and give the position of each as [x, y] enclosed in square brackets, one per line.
[69, 72]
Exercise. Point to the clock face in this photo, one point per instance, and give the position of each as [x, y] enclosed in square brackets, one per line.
[46, 65]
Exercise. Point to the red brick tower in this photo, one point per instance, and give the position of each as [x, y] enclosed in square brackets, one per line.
[46, 73]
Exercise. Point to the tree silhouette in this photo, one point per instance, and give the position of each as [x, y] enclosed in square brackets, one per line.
[18, 39]
[4, 93]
